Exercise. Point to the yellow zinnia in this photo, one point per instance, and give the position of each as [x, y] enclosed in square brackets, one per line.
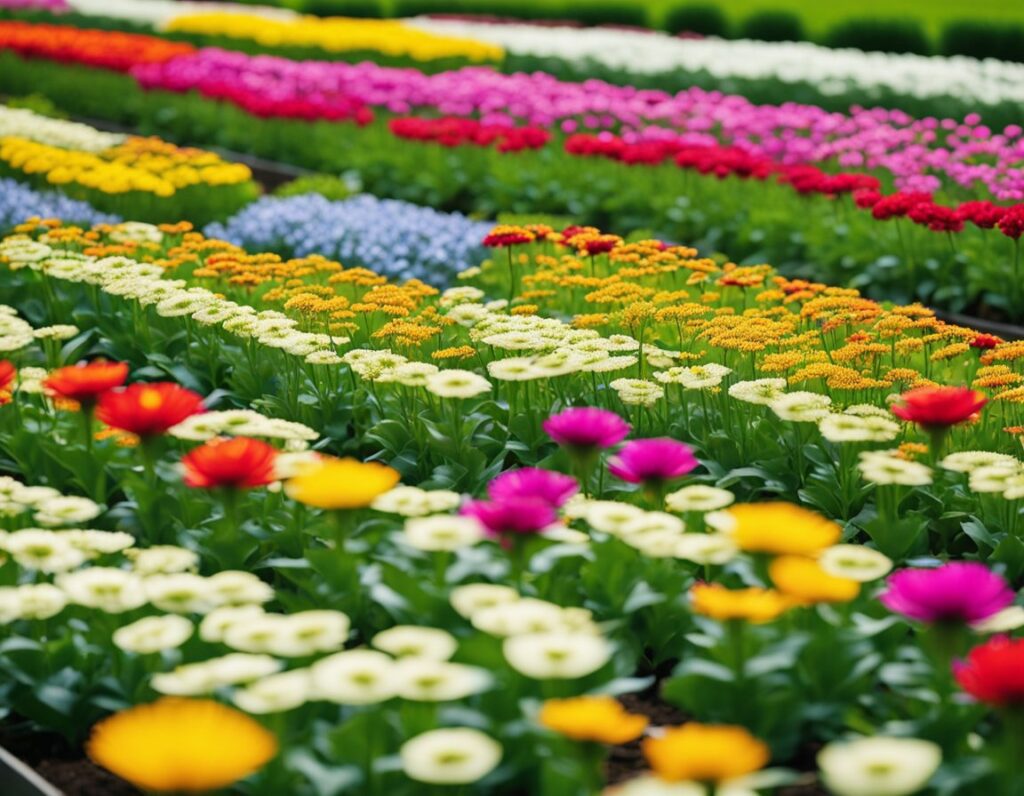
[333, 483]
[705, 753]
[751, 605]
[781, 528]
[600, 718]
[804, 580]
[181, 745]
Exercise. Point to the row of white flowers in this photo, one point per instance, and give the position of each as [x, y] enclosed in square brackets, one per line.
[23, 123]
[833, 71]
[160, 12]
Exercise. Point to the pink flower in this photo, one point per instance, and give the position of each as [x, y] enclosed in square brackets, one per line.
[586, 428]
[962, 591]
[512, 518]
[533, 483]
[652, 461]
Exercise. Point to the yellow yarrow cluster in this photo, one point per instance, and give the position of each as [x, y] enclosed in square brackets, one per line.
[338, 34]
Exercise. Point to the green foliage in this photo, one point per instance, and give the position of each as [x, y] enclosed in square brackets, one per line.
[325, 184]
[708, 20]
[983, 40]
[886, 35]
[773, 26]
[37, 103]
[343, 8]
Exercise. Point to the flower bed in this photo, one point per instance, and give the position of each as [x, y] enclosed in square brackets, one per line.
[410, 636]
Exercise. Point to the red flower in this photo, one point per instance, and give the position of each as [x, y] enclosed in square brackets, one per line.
[148, 409]
[1011, 224]
[994, 671]
[984, 341]
[85, 382]
[506, 235]
[239, 463]
[938, 407]
[7, 371]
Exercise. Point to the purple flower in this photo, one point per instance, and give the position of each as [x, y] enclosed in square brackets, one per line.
[529, 483]
[586, 427]
[963, 591]
[506, 518]
[652, 461]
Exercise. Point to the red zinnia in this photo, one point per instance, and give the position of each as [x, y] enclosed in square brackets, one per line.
[239, 463]
[85, 382]
[993, 671]
[939, 407]
[148, 409]
[7, 371]
[985, 341]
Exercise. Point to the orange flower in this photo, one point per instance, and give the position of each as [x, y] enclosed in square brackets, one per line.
[239, 463]
[599, 718]
[781, 528]
[803, 580]
[751, 605]
[7, 371]
[705, 753]
[148, 409]
[85, 382]
[939, 407]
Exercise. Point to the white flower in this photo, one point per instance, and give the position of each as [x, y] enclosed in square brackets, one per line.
[650, 785]
[58, 332]
[699, 498]
[274, 694]
[705, 548]
[153, 634]
[442, 532]
[549, 656]
[112, 590]
[854, 428]
[513, 369]
[407, 501]
[526, 615]
[885, 468]
[993, 478]
[194, 679]
[455, 756]
[855, 562]
[695, 377]
[759, 391]
[425, 680]
[98, 542]
[411, 641]
[638, 392]
[46, 551]
[1010, 618]
[878, 766]
[968, 461]
[38, 601]
[473, 597]
[216, 623]
[801, 406]
[609, 516]
[232, 587]
[308, 632]
[66, 510]
[354, 677]
[180, 593]
[162, 560]
[457, 384]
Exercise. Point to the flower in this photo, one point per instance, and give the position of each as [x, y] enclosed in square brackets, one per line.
[426, 680]
[961, 591]
[237, 463]
[147, 409]
[442, 532]
[855, 562]
[592, 718]
[878, 766]
[994, 671]
[410, 641]
[450, 756]
[354, 677]
[341, 483]
[153, 634]
[529, 483]
[705, 753]
[506, 519]
[780, 528]
[179, 745]
[652, 461]
[885, 468]
[586, 429]
[698, 497]
[938, 407]
[275, 693]
[557, 655]
[7, 373]
[85, 382]
[473, 597]
[752, 605]
[457, 384]
[805, 581]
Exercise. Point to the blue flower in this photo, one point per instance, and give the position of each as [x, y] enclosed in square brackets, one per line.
[18, 203]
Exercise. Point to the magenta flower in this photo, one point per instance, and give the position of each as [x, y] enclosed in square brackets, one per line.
[651, 461]
[963, 591]
[509, 518]
[529, 483]
[586, 428]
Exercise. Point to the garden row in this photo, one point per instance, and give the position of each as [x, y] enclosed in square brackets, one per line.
[387, 637]
[678, 180]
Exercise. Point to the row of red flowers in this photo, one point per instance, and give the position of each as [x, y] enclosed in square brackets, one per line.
[453, 131]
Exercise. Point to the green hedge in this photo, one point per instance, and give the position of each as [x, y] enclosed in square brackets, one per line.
[703, 19]
[984, 40]
[773, 26]
[886, 35]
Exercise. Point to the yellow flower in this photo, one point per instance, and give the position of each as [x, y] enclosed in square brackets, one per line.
[705, 753]
[600, 718]
[752, 605]
[805, 581]
[341, 483]
[182, 745]
[781, 528]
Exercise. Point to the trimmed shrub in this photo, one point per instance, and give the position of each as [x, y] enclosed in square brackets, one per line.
[705, 20]
[983, 40]
[885, 35]
[343, 8]
[773, 26]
